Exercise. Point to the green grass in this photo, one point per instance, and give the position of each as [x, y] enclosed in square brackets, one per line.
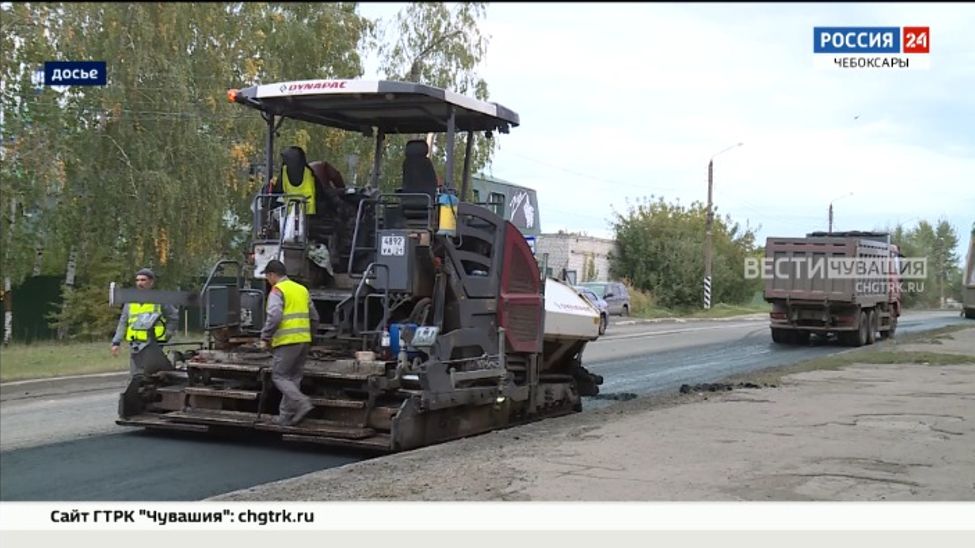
[932, 336]
[43, 360]
[887, 357]
[643, 305]
[879, 357]
[719, 310]
[884, 355]
[52, 359]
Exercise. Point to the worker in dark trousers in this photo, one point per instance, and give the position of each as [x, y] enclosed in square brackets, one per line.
[130, 329]
[291, 320]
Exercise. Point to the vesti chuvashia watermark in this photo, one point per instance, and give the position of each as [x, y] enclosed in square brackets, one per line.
[869, 274]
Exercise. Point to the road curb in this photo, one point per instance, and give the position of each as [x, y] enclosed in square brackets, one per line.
[27, 382]
[61, 386]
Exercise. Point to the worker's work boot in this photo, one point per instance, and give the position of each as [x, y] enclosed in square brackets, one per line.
[300, 415]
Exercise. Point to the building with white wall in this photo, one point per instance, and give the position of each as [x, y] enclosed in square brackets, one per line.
[583, 258]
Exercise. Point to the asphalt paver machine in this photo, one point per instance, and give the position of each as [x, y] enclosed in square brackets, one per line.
[435, 321]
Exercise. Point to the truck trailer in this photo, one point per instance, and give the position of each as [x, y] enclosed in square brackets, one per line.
[968, 284]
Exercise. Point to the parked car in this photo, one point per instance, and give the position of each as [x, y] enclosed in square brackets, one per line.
[599, 303]
[614, 293]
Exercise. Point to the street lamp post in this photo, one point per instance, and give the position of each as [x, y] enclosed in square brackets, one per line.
[831, 209]
[710, 221]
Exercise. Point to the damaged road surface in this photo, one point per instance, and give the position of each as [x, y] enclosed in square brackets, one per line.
[860, 432]
[659, 358]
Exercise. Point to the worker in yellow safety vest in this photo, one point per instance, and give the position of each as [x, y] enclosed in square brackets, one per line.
[291, 318]
[297, 178]
[131, 330]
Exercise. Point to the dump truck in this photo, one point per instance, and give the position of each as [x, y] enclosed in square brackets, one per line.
[845, 284]
[968, 283]
[435, 321]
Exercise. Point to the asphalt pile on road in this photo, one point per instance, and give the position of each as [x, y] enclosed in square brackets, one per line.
[618, 396]
[719, 387]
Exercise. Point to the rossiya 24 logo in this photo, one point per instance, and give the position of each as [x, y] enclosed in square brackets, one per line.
[872, 47]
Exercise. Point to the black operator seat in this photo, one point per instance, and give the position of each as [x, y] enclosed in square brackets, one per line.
[419, 177]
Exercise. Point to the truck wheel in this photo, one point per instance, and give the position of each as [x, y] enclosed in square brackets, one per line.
[970, 313]
[781, 336]
[893, 327]
[872, 326]
[800, 337]
[603, 322]
[860, 336]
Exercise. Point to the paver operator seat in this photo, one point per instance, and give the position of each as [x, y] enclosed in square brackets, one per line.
[419, 177]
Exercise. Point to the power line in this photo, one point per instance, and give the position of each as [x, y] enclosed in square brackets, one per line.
[575, 213]
[73, 110]
[586, 175]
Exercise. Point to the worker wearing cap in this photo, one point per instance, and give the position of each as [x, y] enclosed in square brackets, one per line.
[291, 320]
[130, 331]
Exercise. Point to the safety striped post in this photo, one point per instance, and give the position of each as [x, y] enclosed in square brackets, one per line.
[707, 293]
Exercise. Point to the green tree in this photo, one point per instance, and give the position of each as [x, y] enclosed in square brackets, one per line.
[439, 46]
[157, 168]
[660, 250]
[300, 41]
[32, 137]
[946, 259]
[151, 169]
[86, 314]
[936, 243]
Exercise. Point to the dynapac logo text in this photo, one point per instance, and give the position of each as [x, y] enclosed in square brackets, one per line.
[324, 84]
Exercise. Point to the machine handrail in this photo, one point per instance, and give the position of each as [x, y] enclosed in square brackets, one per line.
[259, 223]
[355, 232]
[213, 272]
[355, 300]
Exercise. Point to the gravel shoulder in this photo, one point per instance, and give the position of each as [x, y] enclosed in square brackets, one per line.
[848, 432]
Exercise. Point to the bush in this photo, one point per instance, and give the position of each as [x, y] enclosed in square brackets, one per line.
[660, 249]
[641, 302]
[86, 314]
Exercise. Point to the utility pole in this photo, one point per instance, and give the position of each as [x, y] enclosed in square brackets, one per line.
[707, 239]
[708, 230]
[831, 209]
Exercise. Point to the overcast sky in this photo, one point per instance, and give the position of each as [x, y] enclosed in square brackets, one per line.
[620, 101]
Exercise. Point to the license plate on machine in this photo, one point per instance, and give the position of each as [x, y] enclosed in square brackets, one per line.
[393, 245]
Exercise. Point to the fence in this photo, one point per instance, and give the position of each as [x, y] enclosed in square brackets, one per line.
[40, 296]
